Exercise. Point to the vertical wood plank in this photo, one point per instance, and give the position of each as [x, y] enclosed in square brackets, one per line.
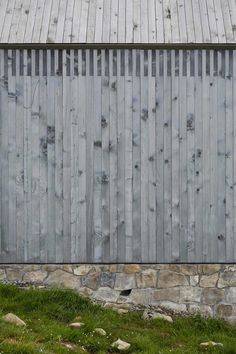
[167, 162]
[190, 162]
[97, 206]
[34, 241]
[144, 160]
[66, 162]
[120, 159]
[136, 160]
[183, 161]
[113, 162]
[160, 161]
[58, 103]
[105, 122]
[128, 160]
[221, 223]
[43, 165]
[11, 159]
[151, 162]
[175, 171]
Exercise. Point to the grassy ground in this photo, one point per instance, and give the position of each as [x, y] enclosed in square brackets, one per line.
[48, 313]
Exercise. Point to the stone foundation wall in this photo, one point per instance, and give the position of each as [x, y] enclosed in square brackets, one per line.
[208, 289]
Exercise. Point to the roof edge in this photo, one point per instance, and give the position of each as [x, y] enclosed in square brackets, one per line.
[118, 46]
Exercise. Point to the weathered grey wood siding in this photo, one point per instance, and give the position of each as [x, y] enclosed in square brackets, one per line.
[117, 156]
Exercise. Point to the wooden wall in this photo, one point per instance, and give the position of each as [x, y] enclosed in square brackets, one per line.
[117, 156]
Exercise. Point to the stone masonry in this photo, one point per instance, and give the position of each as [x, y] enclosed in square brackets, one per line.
[208, 289]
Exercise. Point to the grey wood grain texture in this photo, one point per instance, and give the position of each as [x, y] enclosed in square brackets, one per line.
[113, 21]
[117, 156]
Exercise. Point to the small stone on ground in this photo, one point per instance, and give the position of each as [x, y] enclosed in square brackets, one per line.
[76, 324]
[121, 345]
[100, 331]
[211, 344]
[10, 317]
[152, 315]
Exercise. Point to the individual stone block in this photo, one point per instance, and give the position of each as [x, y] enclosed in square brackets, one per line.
[168, 294]
[231, 295]
[190, 294]
[209, 268]
[82, 270]
[224, 310]
[85, 291]
[177, 308]
[14, 274]
[141, 296]
[35, 277]
[91, 280]
[227, 278]
[2, 274]
[125, 281]
[106, 294]
[204, 310]
[194, 280]
[211, 296]
[108, 279]
[168, 279]
[209, 281]
[187, 269]
[62, 279]
[147, 279]
[131, 268]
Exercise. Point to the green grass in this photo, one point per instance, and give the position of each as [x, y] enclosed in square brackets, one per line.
[48, 313]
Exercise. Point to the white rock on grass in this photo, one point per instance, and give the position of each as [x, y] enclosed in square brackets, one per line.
[76, 324]
[120, 345]
[122, 311]
[100, 331]
[10, 317]
[161, 316]
[211, 344]
[152, 315]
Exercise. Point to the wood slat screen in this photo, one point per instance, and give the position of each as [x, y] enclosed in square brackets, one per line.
[117, 156]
